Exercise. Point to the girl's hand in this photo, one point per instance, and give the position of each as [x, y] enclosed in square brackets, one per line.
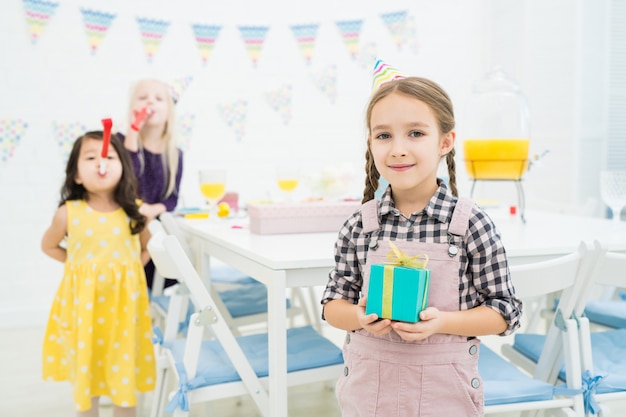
[431, 321]
[152, 211]
[369, 322]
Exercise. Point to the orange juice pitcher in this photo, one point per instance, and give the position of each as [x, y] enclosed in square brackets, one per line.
[497, 138]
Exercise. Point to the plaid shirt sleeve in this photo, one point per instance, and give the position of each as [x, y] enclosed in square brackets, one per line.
[345, 280]
[488, 271]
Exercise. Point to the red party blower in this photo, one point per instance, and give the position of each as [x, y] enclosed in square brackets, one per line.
[106, 140]
[140, 116]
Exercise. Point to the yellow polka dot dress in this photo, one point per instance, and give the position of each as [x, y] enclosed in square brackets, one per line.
[99, 334]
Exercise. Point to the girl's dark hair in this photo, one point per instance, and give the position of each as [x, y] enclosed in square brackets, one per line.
[436, 98]
[125, 193]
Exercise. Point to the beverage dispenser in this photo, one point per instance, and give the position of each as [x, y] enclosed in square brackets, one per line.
[497, 135]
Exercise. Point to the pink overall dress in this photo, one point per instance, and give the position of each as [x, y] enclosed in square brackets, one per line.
[385, 376]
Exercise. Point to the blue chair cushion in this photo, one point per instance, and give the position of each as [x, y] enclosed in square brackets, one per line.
[241, 301]
[306, 349]
[225, 274]
[608, 313]
[608, 354]
[163, 301]
[246, 299]
[504, 383]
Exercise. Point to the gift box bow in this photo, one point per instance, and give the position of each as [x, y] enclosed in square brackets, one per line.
[399, 258]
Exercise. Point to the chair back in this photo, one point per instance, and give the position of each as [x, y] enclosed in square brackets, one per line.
[565, 276]
[172, 228]
[171, 260]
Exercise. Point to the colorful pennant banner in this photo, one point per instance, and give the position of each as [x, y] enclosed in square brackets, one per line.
[280, 100]
[396, 24]
[96, 26]
[235, 114]
[366, 58]
[411, 34]
[11, 132]
[38, 13]
[253, 38]
[350, 32]
[305, 36]
[325, 79]
[184, 128]
[206, 36]
[179, 86]
[152, 32]
[65, 133]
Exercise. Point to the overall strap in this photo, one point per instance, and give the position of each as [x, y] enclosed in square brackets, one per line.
[369, 215]
[460, 217]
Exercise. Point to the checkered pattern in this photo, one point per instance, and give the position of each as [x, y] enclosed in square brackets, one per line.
[483, 275]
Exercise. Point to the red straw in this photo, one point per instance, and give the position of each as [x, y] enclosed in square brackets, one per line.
[106, 137]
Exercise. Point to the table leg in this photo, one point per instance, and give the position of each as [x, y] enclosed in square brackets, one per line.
[277, 342]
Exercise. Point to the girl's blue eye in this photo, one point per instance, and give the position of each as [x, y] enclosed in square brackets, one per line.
[383, 136]
[416, 134]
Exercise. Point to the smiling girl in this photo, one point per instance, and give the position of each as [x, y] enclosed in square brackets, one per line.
[428, 368]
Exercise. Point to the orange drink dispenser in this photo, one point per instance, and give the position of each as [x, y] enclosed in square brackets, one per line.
[497, 136]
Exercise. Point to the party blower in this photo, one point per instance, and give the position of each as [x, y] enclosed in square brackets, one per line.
[140, 116]
[106, 140]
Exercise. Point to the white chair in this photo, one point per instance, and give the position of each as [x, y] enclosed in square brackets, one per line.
[604, 352]
[227, 366]
[563, 275]
[242, 300]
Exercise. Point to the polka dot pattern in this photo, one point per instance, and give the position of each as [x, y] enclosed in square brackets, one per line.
[99, 319]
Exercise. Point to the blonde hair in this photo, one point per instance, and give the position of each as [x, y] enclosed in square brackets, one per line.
[170, 156]
[434, 97]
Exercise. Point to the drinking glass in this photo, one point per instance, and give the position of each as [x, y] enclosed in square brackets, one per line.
[213, 188]
[613, 191]
[287, 178]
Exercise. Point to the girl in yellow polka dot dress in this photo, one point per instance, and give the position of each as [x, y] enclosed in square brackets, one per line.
[99, 330]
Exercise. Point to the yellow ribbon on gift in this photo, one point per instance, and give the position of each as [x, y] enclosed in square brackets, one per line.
[398, 258]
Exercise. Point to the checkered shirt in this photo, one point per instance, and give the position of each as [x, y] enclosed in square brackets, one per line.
[484, 277]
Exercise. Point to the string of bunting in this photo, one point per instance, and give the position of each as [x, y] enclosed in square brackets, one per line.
[38, 14]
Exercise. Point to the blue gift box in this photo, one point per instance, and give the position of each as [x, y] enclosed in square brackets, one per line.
[397, 292]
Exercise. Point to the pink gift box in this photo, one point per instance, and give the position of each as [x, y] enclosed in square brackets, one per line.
[303, 217]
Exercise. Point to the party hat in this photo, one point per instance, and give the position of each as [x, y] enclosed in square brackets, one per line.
[178, 87]
[384, 73]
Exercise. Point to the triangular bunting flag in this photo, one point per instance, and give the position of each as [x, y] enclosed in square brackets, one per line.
[235, 114]
[11, 132]
[396, 24]
[350, 32]
[367, 55]
[411, 34]
[152, 32]
[178, 87]
[280, 100]
[65, 133]
[206, 36]
[184, 127]
[38, 14]
[305, 36]
[325, 79]
[96, 26]
[253, 38]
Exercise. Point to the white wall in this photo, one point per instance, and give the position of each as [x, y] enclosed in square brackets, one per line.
[57, 79]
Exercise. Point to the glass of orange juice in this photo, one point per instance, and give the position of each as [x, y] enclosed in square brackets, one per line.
[287, 178]
[213, 187]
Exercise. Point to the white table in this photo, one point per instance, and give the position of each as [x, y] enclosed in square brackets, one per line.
[301, 260]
